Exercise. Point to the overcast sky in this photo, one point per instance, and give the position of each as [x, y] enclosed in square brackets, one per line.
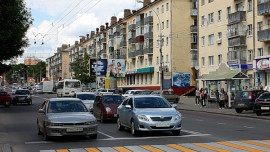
[59, 22]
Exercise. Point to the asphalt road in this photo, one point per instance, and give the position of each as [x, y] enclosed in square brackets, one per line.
[18, 128]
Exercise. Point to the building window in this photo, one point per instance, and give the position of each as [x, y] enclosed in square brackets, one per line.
[150, 13]
[167, 41]
[219, 59]
[203, 20]
[219, 15]
[167, 7]
[151, 77]
[167, 24]
[167, 58]
[146, 78]
[145, 62]
[157, 60]
[209, 1]
[250, 30]
[203, 2]
[219, 35]
[211, 60]
[203, 41]
[268, 50]
[269, 24]
[211, 39]
[162, 25]
[239, 7]
[157, 11]
[162, 8]
[250, 55]
[250, 6]
[157, 27]
[260, 24]
[228, 11]
[157, 77]
[203, 61]
[138, 79]
[260, 51]
[150, 61]
[211, 18]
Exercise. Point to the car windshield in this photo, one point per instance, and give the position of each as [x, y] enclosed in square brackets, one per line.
[151, 102]
[86, 96]
[244, 94]
[112, 99]
[66, 106]
[145, 92]
[71, 84]
[22, 92]
[265, 96]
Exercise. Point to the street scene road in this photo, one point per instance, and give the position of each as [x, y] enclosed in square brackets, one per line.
[201, 132]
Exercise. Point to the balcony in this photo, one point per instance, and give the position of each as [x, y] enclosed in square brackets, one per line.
[263, 7]
[123, 56]
[194, 29]
[123, 31]
[102, 52]
[235, 30]
[238, 55]
[148, 50]
[194, 46]
[103, 40]
[131, 55]
[194, 58]
[139, 39]
[148, 20]
[116, 34]
[139, 23]
[139, 53]
[93, 55]
[132, 40]
[237, 41]
[132, 27]
[194, 12]
[237, 17]
[123, 44]
[264, 35]
[148, 35]
[111, 49]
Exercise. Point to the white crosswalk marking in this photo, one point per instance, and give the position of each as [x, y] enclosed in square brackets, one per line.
[136, 148]
[107, 149]
[165, 148]
[225, 147]
[250, 145]
[77, 150]
[197, 148]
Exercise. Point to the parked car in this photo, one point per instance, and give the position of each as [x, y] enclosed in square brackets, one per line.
[244, 100]
[145, 92]
[105, 106]
[5, 99]
[86, 89]
[64, 117]
[13, 90]
[168, 95]
[38, 91]
[105, 91]
[87, 98]
[262, 103]
[131, 92]
[148, 113]
[22, 96]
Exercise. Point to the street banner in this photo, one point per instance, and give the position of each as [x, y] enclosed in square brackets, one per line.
[101, 82]
[116, 68]
[107, 83]
[181, 79]
[101, 68]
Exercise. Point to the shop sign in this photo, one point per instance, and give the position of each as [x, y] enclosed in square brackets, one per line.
[233, 62]
[261, 64]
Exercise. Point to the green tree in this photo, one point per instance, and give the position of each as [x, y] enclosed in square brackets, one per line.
[15, 20]
[80, 68]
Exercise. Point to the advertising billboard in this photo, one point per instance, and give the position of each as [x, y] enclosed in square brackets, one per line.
[101, 68]
[116, 68]
[181, 79]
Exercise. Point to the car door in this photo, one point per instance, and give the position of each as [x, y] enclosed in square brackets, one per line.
[42, 116]
[129, 112]
[96, 110]
[121, 111]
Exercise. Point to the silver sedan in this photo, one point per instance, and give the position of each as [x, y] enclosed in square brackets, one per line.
[148, 113]
[64, 117]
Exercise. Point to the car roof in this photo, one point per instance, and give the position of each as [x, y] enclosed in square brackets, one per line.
[64, 99]
[144, 96]
[23, 89]
[86, 93]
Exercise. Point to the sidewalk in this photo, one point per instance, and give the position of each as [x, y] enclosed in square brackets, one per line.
[188, 104]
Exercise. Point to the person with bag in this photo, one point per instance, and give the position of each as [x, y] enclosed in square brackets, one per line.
[202, 97]
[197, 98]
[217, 97]
[222, 99]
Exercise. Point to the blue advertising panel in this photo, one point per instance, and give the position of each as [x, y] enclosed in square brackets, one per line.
[101, 68]
[181, 79]
[167, 83]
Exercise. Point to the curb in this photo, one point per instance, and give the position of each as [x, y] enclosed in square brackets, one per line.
[5, 148]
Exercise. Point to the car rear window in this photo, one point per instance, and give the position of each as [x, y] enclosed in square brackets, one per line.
[112, 99]
[265, 96]
[22, 92]
[86, 96]
[3, 93]
[242, 95]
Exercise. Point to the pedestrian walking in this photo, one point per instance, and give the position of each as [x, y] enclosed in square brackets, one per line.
[222, 95]
[205, 96]
[197, 98]
[202, 97]
[217, 97]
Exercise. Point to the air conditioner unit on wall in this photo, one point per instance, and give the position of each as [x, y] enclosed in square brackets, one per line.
[219, 41]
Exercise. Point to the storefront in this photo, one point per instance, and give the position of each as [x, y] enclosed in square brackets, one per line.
[261, 67]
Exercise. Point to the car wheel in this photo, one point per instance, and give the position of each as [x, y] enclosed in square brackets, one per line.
[101, 118]
[176, 100]
[134, 132]
[119, 126]
[238, 110]
[7, 104]
[176, 132]
[258, 113]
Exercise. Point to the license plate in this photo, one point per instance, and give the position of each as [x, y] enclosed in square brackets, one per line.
[241, 104]
[74, 129]
[265, 108]
[115, 115]
[21, 98]
[163, 124]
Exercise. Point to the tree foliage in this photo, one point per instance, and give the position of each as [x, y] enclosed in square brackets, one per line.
[80, 68]
[15, 20]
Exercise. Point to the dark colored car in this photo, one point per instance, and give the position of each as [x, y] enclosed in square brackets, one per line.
[5, 99]
[105, 106]
[244, 100]
[168, 95]
[262, 104]
[22, 96]
[145, 92]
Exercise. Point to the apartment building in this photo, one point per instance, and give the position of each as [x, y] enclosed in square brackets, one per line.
[31, 61]
[233, 44]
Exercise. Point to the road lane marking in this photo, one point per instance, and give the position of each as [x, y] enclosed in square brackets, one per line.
[164, 148]
[105, 134]
[211, 147]
[266, 140]
[199, 120]
[178, 147]
[189, 131]
[92, 150]
[106, 149]
[122, 149]
[38, 142]
[248, 127]
[256, 143]
[239, 147]
[150, 148]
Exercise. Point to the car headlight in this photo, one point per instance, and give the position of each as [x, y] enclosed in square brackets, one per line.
[90, 123]
[28, 97]
[178, 116]
[142, 118]
[108, 109]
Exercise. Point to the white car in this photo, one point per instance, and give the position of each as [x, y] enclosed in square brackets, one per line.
[131, 92]
[87, 98]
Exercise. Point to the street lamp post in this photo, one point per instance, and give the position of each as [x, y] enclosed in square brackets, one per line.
[160, 47]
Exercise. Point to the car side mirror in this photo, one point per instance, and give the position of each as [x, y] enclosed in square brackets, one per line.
[41, 111]
[128, 106]
[174, 105]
